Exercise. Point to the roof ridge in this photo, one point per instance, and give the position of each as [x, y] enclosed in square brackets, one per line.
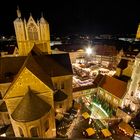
[29, 67]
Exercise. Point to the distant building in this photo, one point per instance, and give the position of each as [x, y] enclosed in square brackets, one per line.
[132, 97]
[138, 33]
[124, 70]
[111, 89]
[102, 54]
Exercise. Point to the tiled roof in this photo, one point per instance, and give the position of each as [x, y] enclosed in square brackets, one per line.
[3, 107]
[33, 66]
[138, 56]
[122, 78]
[76, 89]
[31, 108]
[123, 64]
[113, 86]
[60, 96]
[9, 67]
[53, 65]
[106, 50]
[98, 79]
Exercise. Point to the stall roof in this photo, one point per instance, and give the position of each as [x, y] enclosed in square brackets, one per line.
[86, 115]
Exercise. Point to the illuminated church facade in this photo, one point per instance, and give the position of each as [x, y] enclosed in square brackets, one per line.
[30, 33]
[37, 85]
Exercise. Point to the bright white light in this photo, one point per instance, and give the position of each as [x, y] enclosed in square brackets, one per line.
[88, 50]
[3, 135]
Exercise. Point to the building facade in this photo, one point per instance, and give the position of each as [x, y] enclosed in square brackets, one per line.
[138, 33]
[111, 90]
[132, 97]
[36, 85]
[30, 33]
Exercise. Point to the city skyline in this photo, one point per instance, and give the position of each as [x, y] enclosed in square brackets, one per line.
[93, 17]
[79, 86]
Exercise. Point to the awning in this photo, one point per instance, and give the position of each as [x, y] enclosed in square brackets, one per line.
[106, 132]
[86, 115]
[90, 131]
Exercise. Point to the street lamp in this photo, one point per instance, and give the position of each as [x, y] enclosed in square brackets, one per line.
[88, 50]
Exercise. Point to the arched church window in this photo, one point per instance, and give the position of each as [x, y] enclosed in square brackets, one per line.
[21, 132]
[46, 125]
[32, 32]
[34, 132]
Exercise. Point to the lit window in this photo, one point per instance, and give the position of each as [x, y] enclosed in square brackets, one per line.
[109, 97]
[115, 101]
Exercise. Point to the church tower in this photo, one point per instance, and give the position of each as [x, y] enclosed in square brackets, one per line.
[45, 32]
[20, 31]
[138, 33]
[31, 33]
[132, 97]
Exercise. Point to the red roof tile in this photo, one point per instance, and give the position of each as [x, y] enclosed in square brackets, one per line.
[114, 86]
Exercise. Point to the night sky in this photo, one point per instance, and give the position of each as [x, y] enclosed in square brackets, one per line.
[79, 16]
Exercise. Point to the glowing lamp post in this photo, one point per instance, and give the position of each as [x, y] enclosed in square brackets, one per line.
[89, 51]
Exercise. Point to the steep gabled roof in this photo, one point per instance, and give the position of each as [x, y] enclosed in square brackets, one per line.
[31, 108]
[123, 64]
[3, 107]
[113, 86]
[98, 79]
[36, 50]
[55, 64]
[138, 55]
[60, 96]
[9, 67]
[32, 66]
[31, 22]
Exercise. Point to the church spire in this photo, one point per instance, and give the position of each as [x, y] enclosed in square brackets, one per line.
[42, 19]
[42, 15]
[138, 32]
[18, 12]
[30, 14]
